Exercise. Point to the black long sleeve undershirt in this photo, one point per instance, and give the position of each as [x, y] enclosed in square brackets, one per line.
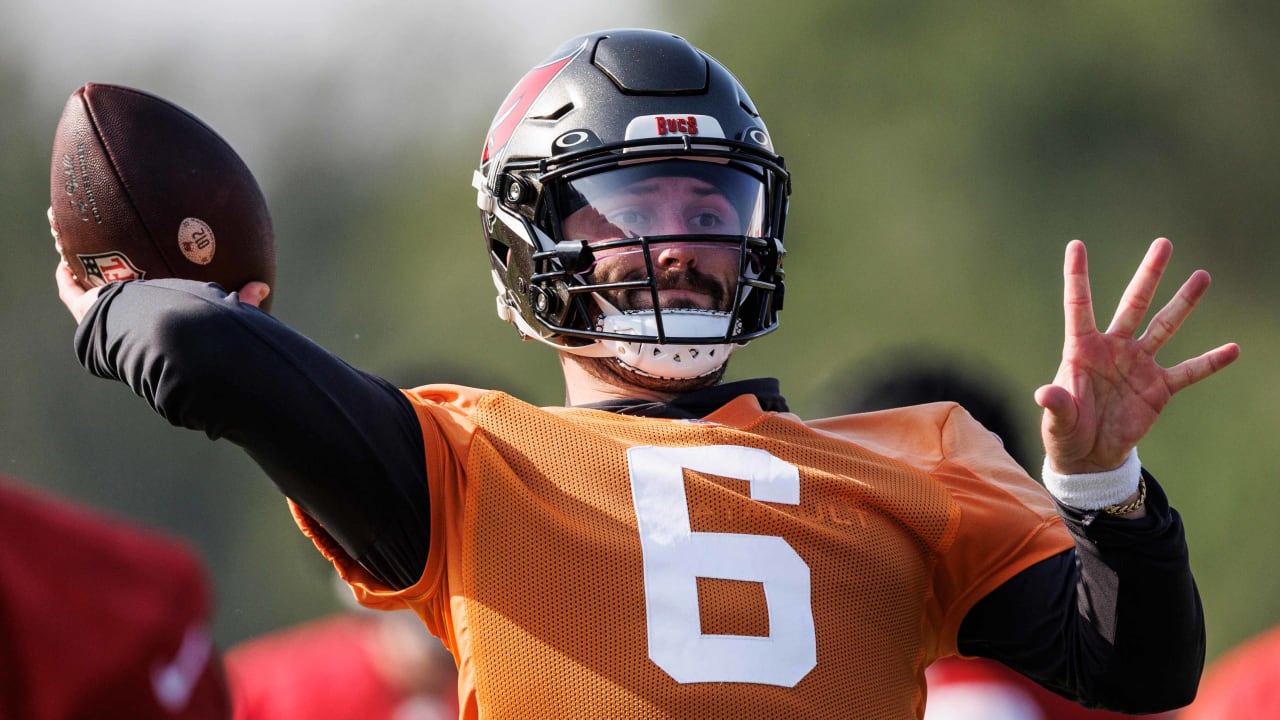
[1116, 622]
[1120, 616]
[341, 443]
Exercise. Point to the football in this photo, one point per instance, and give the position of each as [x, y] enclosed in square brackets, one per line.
[141, 189]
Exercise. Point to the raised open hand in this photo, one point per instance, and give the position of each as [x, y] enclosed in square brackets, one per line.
[1109, 389]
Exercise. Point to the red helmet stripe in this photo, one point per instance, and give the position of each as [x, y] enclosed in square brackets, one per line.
[519, 100]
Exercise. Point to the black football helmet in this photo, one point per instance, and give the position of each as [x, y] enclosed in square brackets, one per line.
[606, 113]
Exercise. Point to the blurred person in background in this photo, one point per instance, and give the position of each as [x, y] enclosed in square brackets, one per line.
[358, 664]
[665, 544]
[963, 688]
[101, 618]
[1243, 682]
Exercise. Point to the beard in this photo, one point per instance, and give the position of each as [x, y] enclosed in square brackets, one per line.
[709, 290]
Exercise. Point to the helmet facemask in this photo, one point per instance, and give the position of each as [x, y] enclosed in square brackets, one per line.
[615, 232]
[666, 264]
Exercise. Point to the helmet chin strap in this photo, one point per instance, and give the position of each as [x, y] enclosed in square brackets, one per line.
[673, 361]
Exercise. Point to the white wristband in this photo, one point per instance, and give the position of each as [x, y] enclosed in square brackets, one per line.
[1094, 491]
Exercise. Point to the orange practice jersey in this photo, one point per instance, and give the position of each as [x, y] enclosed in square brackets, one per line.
[586, 564]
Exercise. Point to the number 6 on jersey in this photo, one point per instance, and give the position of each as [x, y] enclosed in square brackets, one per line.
[675, 557]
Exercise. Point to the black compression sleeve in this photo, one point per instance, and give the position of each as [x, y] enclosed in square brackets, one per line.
[1116, 623]
[341, 443]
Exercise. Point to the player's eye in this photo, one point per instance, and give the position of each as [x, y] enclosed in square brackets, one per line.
[632, 221]
[705, 221]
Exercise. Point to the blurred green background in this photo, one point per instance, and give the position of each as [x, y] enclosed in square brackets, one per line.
[943, 154]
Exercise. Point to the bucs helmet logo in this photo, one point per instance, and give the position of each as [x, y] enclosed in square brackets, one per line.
[518, 102]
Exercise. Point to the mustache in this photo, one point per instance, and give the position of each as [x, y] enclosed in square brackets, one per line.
[681, 279]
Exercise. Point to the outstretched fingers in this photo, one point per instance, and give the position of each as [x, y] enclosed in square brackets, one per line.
[1077, 299]
[1166, 323]
[1190, 372]
[1137, 297]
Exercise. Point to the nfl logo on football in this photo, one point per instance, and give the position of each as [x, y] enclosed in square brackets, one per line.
[102, 268]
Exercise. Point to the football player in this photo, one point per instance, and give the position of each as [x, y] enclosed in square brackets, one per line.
[100, 618]
[667, 545]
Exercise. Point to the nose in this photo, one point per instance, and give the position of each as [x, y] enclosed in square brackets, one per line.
[672, 255]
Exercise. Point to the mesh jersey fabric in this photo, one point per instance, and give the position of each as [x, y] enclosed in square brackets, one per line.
[747, 565]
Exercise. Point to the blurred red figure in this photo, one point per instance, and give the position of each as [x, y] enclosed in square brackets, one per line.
[356, 665]
[99, 618]
[1243, 683]
[979, 689]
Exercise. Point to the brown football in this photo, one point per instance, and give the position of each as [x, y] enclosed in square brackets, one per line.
[142, 189]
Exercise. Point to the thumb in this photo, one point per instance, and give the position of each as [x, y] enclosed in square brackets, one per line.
[254, 292]
[1059, 408]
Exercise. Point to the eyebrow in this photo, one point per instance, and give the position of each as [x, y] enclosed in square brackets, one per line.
[648, 188]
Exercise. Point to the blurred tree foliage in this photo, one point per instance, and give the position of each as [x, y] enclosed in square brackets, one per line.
[943, 154]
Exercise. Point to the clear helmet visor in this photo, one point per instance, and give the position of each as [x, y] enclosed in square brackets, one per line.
[674, 244]
[678, 197]
[670, 227]
[666, 264]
